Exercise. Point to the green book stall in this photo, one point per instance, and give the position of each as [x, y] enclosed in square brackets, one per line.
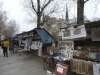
[80, 45]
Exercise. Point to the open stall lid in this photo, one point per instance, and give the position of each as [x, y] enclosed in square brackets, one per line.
[46, 38]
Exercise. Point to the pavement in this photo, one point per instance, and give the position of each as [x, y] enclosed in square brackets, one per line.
[13, 65]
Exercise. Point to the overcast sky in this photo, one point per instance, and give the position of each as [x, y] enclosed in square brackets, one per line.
[15, 12]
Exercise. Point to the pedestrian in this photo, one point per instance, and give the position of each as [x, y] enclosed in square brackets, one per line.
[11, 46]
[5, 47]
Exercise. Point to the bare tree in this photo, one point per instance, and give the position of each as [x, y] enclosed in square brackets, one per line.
[11, 29]
[7, 29]
[3, 19]
[41, 8]
[80, 9]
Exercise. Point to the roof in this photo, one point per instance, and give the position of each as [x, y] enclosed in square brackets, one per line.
[46, 38]
[92, 24]
[88, 25]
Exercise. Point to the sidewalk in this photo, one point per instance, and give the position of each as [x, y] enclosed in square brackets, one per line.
[12, 65]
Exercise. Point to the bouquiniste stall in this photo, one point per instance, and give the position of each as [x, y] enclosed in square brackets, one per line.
[80, 45]
[35, 40]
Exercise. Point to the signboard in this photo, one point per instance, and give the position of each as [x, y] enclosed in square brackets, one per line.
[61, 69]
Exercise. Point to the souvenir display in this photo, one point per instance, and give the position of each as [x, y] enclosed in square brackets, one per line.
[65, 49]
[93, 49]
[80, 54]
[98, 56]
[75, 52]
[92, 55]
[86, 42]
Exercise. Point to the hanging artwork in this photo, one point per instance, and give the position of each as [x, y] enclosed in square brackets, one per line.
[34, 45]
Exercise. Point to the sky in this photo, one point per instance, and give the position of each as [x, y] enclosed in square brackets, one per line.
[15, 11]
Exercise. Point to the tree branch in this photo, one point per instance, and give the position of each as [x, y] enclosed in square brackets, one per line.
[33, 6]
[86, 1]
[45, 5]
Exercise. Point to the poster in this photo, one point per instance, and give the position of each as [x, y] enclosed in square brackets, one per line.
[34, 45]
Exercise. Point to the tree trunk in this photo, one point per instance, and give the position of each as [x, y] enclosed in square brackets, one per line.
[38, 14]
[38, 20]
[80, 12]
